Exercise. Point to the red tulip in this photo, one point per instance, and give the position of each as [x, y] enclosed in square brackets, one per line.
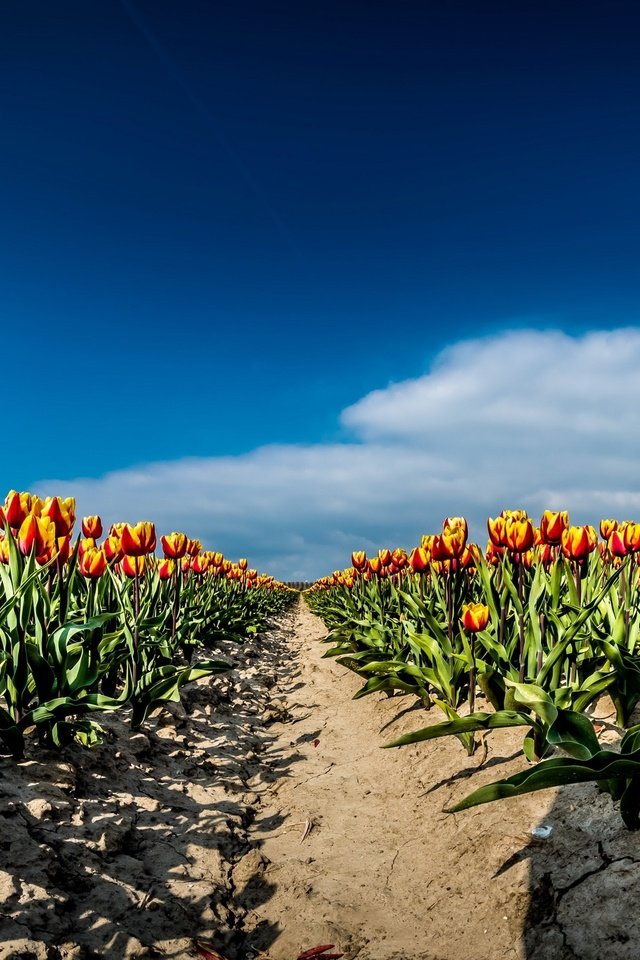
[165, 569]
[551, 526]
[419, 559]
[174, 545]
[133, 565]
[37, 534]
[475, 616]
[93, 563]
[92, 527]
[359, 559]
[61, 512]
[579, 542]
[139, 539]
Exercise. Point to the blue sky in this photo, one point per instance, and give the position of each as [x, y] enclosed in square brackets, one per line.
[224, 224]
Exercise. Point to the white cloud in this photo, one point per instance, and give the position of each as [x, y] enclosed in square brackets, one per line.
[530, 418]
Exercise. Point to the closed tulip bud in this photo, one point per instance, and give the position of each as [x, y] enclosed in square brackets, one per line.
[607, 527]
[61, 512]
[551, 526]
[631, 536]
[616, 545]
[419, 559]
[165, 569]
[451, 523]
[113, 549]
[139, 539]
[450, 544]
[87, 543]
[546, 554]
[518, 534]
[93, 563]
[199, 564]
[470, 555]
[475, 617]
[37, 534]
[493, 554]
[64, 548]
[497, 531]
[194, 547]
[92, 527]
[17, 506]
[375, 565]
[359, 559]
[174, 545]
[242, 564]
[133, 565]
[399, 558]
[527, 558]
[579, 542]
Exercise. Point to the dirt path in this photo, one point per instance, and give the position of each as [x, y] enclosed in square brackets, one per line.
[266, 819]
[356, 851]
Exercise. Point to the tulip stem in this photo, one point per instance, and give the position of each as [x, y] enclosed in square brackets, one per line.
[472, 675]
[521, 673]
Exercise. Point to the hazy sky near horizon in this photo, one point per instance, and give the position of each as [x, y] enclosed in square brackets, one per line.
[300, 278]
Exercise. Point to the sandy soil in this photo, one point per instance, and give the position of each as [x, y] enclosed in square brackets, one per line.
[266, 819]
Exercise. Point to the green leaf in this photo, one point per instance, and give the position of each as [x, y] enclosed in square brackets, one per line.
[475, 721]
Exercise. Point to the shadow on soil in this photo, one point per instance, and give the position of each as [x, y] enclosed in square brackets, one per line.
[139, 847]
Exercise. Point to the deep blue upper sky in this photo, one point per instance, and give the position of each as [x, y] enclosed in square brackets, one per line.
[222, 222]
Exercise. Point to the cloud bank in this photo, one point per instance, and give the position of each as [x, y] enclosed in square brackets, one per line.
[529, 419]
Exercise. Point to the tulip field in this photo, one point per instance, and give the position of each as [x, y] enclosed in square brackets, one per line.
[89, 626]
[539, 626]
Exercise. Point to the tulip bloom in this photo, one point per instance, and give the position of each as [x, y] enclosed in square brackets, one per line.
[607, 527]
[242, 564]
[359, 559]
[518, 534]
[18, 506]
[551, 526]
[37, 534]
[493, 553]
[92, 527]
[631, 536]
[201, 565]
[579, 542]
[496, 531]
[419, 559]
[93, 563]
[375, 565]
[399, 558]
[218, 560]
[133, 565]
[165, 569]
[63, 547]
[385, 557]
[61, 512]
[450, 544]
[174, 545]
[4, 550]
[139, 539]
[194, 547]
[113, 549]
[616, 545]
[475, 616]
